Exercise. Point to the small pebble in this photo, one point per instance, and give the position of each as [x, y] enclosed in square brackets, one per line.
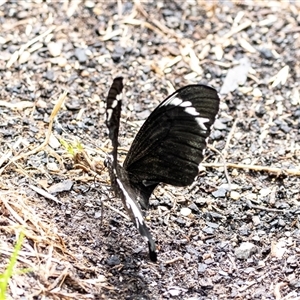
[246, 161]
[235, 195]
[97, 215]
[256, 220]
[61, 61]
[97, 11]
[41, 103]
[113, 260]
[219, 193]
[208, 230]
[219, 125]
[245, 250]
[185, 211]
[54, 142]
[53, 167]
[54, 48]
[264, 192]
[257, 93]
[85, 73]
[234, 172]
[80, 55]
[256, 238]
[202, 267]
[212, 225]
[22, 14]
[89, 4]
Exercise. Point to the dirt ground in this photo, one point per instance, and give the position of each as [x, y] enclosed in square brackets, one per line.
[233, 234]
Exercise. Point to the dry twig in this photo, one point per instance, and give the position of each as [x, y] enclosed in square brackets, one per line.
[171, 261]
[272, 170]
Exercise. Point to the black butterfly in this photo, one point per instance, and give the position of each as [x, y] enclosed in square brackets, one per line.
[168, 148]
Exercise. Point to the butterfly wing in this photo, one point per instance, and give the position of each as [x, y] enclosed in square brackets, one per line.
[169, 146]
[119, 177]
[128, 196]
[113, 113]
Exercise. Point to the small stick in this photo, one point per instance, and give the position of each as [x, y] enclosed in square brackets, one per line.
[277, 171]
[224, 165]
[117, 211]
[171, 261]
[230, 135]
[263, 208]
[237, 29]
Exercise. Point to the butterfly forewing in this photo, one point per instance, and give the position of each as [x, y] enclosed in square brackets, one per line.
[113, 112]
[169, 146]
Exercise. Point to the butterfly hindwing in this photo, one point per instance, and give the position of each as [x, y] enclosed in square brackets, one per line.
[128, 196]
[169, 146]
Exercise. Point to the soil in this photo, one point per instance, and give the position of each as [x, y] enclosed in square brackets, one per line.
[234, 233]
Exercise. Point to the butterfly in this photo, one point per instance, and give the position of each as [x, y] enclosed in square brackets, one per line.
[168, 148]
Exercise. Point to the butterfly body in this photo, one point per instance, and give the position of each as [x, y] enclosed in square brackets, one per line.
[168, 148]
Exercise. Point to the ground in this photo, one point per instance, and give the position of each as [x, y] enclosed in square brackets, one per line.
[241, 237]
